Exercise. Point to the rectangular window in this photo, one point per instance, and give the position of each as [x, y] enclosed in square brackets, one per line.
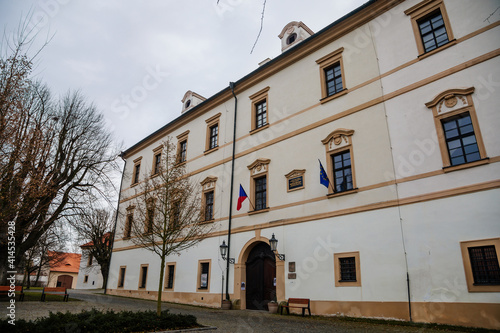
[209, 206]
[260, 114]
[150, 217]
[214, 134]
[121, 277]
[260, 193]
[460, 139]
[331, 69]
[347, 269]
[484, 265]
[432, 31]
[89, 261]
[143, 276]
[170, 277]
[175, 215]
[137, 170]
[431, 26]
[128, 226]
[481, 265]
[342, 173]
[183, 151]
[157, 164]
[333, 77]
[260, 108]
[204, 275]
[86, 279]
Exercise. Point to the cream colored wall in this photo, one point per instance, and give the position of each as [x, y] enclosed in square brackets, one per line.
[394, 138]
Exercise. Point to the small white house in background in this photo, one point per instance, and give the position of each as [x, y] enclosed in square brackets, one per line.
[399, 100]
[89, 275]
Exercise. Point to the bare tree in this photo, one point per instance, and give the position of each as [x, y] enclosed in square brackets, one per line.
[168, 212]
[47, 251]
[54, 156]
[94, 227]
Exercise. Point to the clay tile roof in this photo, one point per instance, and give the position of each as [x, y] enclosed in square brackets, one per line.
[65, 262]
[89, 244]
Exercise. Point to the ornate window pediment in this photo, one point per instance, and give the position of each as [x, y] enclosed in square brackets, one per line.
[339, 138]
[259, 166]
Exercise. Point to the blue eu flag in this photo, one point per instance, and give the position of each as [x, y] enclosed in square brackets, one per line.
[323, 177]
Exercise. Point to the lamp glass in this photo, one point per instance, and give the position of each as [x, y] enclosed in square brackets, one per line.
[273, 242]
[223, 249]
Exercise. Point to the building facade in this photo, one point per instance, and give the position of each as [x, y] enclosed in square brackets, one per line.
[64, 271]
[397, 101]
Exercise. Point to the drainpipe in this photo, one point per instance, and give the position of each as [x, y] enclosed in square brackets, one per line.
[116, 220]
[231, 85]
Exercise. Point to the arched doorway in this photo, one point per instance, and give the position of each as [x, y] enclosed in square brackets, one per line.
[64, 281]
[260, 277]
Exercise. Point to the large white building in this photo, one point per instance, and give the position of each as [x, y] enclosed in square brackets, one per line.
[399, 102]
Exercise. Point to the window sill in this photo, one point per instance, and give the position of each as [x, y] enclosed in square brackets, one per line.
[134, 184]
[206, 152]
[181, 163]
[253, 212]
[338, 194]
[466, 165]
[154, 175]
[439, 49]
[259, 129]
[207, 221]
[329, 98]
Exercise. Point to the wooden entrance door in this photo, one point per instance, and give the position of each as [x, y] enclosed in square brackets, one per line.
[65, 281]
[261, 274]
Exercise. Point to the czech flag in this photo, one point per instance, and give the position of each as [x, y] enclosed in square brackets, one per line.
[241, 198]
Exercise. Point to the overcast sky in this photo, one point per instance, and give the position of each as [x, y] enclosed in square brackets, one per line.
[136, 59]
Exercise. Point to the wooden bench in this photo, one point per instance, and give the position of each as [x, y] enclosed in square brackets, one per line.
[301, 303]
[5, 290]
[55, 291]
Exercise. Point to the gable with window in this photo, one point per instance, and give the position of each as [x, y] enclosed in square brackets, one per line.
[208, 188]
[260, 107]
[481, 264]
[259, 196]
[431, 27]
[331, 69]
[340, 162]
[457, 128]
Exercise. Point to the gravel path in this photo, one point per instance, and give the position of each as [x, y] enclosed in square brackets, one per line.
[234, 321]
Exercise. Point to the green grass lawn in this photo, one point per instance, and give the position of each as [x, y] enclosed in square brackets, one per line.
[36, 296]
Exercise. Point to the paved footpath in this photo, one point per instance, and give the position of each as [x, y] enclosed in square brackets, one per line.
[234, 321]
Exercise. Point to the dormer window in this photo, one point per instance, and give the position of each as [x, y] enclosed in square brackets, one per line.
[190, 100]
[294, 33]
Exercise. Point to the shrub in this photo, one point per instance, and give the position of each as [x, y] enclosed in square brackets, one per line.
[97, 321]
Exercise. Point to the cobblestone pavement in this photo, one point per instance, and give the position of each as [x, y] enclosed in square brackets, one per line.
[234, 321]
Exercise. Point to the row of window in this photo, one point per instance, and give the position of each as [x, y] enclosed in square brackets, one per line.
[481, 266]
[457, 129]
[203, 280]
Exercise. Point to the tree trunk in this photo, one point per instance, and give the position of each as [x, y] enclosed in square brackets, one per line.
[104, 273]
[160, 285]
